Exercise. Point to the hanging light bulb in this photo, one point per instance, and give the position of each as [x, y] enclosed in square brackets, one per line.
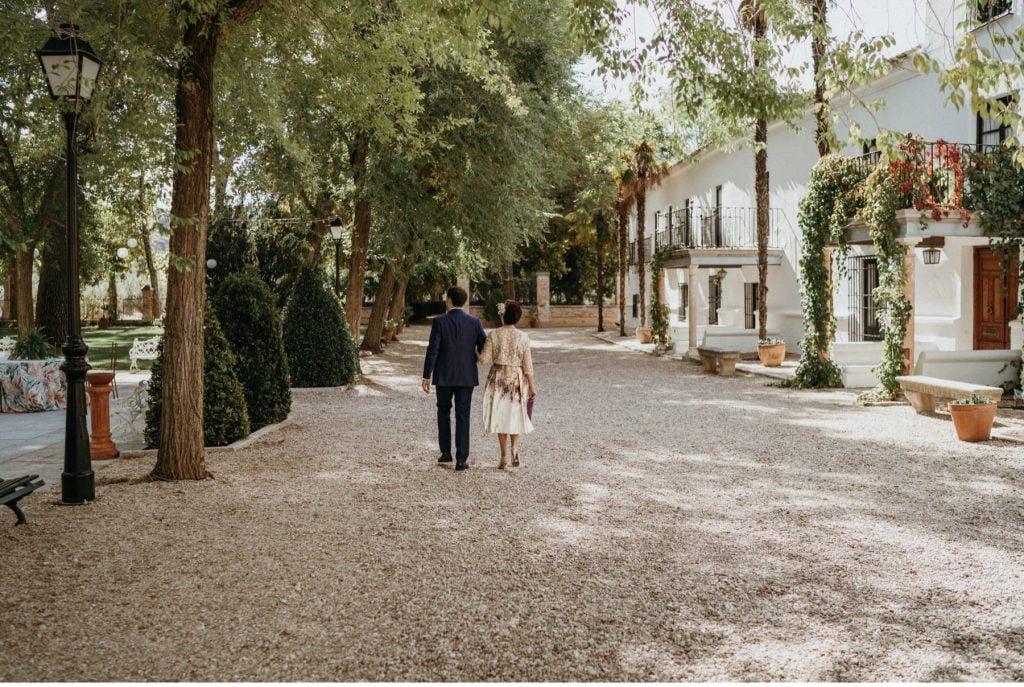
[122, 252]
[132, 243]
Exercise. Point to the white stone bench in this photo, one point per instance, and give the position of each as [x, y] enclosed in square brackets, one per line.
[142, 350]
[922, 391]
[6, 347]
[989, 368]
[719, 360]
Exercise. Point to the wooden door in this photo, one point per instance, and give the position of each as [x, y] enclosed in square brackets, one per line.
[995, 299]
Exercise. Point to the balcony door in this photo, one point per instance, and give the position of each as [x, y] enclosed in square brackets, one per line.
[995, 300]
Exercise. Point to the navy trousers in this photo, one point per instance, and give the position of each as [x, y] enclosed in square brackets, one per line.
[463, 397]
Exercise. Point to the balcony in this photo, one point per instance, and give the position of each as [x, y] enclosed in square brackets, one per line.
[716, 229]
[931, 179]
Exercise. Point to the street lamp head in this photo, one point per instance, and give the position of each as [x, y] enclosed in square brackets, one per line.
[211, 263]
[721, 273]
[132, 243]
[69, 65]
[337, 228]
[932, 256]
[122, 252]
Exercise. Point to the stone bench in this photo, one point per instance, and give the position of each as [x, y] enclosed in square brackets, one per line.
[719, 360]
[922, 391]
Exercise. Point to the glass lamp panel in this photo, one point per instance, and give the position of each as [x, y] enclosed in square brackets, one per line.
[90, 71]
[61, 74]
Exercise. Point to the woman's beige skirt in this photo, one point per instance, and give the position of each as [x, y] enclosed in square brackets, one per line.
[505, 397]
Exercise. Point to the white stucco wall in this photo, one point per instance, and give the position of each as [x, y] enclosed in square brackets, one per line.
[913, 103]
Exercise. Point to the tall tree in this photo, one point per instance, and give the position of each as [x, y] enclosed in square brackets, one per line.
[181, 454]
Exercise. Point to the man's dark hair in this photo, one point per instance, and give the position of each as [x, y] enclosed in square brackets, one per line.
[458, 296]
[513, 312]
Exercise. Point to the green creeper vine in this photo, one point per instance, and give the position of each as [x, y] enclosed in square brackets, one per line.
[996, 192]
[882, 198]
[659, 311]
[832, 202]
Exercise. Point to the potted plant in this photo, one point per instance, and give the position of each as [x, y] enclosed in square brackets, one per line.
[973, 417]
[771, 351]
[644, 335]
[390, 328]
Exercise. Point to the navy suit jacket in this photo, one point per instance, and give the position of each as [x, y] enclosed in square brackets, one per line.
[455, 339]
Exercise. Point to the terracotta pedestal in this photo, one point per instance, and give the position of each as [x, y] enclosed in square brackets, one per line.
[101, 443]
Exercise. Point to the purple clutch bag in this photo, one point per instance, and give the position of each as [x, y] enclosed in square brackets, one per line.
[529, 409]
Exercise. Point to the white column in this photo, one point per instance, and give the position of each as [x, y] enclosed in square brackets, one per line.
[463, 281]
[543, 299]
[691, 308]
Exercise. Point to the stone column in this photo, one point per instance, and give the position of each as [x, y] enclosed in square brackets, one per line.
[824, 355]
[909, 264]
[101, 443]
[543, 299]
[691, 308]
[147, 302]
[463, 281]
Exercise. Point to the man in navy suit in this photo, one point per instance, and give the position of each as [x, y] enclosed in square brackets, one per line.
[455, 339]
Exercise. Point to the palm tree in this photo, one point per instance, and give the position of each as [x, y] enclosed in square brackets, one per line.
[647, 173]
[623, 204]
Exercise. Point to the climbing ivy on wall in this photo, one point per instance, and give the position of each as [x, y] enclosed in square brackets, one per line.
[882, 198]
[832, 201]
[659, 311]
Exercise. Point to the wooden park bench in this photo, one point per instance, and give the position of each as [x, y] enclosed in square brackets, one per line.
[14, 490]
[922, 391]
[719, 360]
[143, 350]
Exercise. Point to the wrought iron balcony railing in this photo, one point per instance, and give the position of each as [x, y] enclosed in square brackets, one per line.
[728, 228]
[928, 172]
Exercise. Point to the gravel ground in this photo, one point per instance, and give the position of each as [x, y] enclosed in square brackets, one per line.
[666, 525]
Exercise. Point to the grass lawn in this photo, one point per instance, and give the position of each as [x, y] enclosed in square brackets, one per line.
[99, 341]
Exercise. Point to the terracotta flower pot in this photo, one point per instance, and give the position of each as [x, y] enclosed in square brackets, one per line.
[644, 335]
[771, 355]
[973, 422]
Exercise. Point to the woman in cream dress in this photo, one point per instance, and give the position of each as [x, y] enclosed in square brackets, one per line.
[509, 383]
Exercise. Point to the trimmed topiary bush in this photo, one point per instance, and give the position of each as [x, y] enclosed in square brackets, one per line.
[225, 419]
[320, 347]
[245, 306]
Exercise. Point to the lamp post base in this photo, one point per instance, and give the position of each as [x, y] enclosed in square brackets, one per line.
[77, 487]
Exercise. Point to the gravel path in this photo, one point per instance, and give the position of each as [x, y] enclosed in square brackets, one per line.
[666, 525]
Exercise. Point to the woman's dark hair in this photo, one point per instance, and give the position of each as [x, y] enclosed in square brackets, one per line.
[513, 312]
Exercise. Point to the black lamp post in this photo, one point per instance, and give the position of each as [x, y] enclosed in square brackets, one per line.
[337, 229]
[71, 68]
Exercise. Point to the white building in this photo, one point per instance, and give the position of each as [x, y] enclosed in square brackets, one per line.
[711, 282]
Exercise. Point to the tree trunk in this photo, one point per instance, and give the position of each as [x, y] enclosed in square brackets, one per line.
[641, 268]
[52, 295]
[819, 10]
[7, 311]
[375, 327]
[318, 228]
[360, 235]
[181, 454]
[154, 275]
[147, 248]
[23, 288]
[112, 310]
[761, 192]
[508, 281]
[397, 310]
[599, 235]
[623, 236]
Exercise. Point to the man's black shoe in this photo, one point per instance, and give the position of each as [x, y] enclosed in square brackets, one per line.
[445, 458]
[461, 466]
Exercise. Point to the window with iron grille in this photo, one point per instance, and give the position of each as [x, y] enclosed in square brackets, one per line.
[750, 305]
[636, 305]
[684, 300]
[714, 299]
[992, 131]
[987, 10]
[863, 271]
